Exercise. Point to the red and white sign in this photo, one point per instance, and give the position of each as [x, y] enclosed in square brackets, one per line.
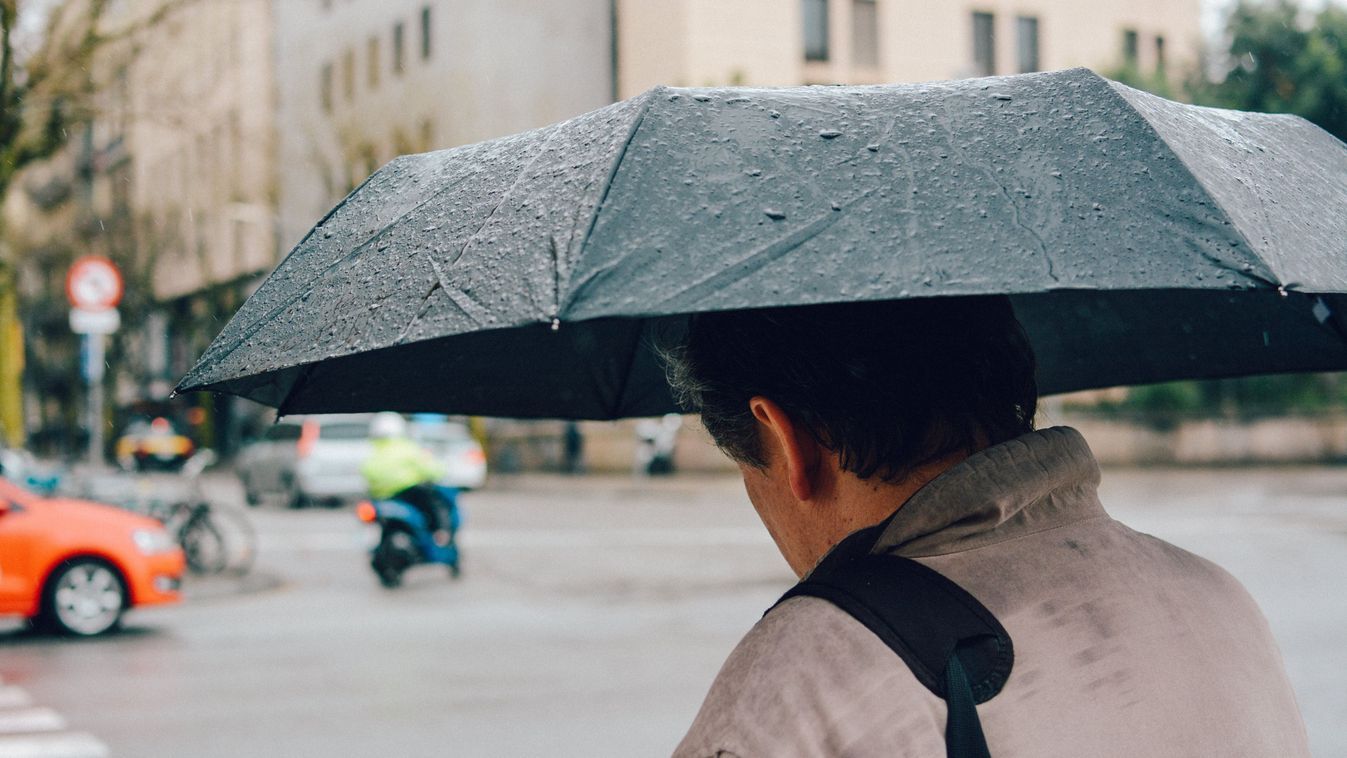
[94, 284]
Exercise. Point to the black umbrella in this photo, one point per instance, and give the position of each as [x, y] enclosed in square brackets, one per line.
[1142, 240]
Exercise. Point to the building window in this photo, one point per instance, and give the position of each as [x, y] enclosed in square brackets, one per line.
[865, 33]
[1130, 47]
[348, 74]
[399, 48]
[1026, 43]
[425, 33]
[325, 87]
[815, 30]
[984, 44]
[1159, 53]
[374, 62]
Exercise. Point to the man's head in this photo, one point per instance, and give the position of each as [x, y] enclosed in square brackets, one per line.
[812, 399]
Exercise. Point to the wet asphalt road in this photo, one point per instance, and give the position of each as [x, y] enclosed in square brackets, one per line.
[591, 617]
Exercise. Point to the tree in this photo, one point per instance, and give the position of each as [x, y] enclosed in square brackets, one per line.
[38, 94]
[1283, 60]
[53, 91]
[1277, 58]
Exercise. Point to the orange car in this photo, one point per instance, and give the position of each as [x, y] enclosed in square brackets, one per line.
[73, 566]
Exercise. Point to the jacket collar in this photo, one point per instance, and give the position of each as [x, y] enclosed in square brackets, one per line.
[1038, 481]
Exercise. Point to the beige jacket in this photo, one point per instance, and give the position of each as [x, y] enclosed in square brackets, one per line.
[1124, 645]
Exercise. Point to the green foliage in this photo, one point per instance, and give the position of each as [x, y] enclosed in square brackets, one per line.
[1169, 398]
[1156, 81]
[1282, 64]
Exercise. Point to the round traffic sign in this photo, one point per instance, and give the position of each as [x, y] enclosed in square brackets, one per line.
[94, 283]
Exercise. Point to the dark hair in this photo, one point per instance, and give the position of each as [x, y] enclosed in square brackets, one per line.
[888, 386]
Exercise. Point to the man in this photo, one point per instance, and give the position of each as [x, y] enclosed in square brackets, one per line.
[843, 416]
[400, 469]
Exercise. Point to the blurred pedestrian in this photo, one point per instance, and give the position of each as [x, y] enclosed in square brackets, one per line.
[656, 442]
[916, 418]
[573, 449]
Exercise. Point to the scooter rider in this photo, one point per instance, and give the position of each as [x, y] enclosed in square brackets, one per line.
[400, 469]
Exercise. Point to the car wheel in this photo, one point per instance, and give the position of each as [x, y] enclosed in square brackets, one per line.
[250, 495]
[294, 496]
[84, 597]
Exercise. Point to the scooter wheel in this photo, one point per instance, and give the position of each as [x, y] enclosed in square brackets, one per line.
[390, 578]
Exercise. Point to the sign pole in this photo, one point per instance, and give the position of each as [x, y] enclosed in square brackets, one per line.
[94, 286]
[93, 375]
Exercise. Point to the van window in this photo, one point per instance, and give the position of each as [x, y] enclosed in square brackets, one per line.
[283, 433]
[345, 430]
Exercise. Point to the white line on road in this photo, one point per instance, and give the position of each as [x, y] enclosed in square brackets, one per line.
[30, 720]
[69, 745]
[14, 697]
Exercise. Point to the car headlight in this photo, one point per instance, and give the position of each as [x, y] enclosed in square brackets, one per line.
[153, 541]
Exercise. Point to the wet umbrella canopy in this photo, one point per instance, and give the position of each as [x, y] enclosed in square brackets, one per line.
[1142, 240]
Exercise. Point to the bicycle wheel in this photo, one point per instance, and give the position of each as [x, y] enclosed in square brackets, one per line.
[240, 537]
[203, 545]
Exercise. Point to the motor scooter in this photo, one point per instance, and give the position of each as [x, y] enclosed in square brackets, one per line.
[405, 540]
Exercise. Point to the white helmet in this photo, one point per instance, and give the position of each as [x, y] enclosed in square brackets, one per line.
[387, 424]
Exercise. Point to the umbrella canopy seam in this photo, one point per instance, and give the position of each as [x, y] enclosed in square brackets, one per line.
[1016, 211]
[650, 97]
[280, 307]
[1209, 200]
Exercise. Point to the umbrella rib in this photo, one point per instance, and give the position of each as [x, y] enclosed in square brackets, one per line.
[626, 377]
[453, 294]
[537, 156]
[759, 257]
[1210, 201]
[608, 182]
[275, 312]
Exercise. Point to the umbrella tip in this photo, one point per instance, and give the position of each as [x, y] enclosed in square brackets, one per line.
[556, 324]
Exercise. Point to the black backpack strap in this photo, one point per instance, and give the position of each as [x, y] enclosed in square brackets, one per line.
[954, 646]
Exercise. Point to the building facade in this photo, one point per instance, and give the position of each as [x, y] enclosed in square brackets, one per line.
[217, 132]
[791, 42]
[360, 82]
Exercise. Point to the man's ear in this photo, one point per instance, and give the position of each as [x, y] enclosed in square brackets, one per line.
[800, 452]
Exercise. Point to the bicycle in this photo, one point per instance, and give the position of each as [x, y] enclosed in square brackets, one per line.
[212, 539]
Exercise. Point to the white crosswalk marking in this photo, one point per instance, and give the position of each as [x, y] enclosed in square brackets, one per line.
[14, 697]
[30, 720]
[34, 732]
[67, 745]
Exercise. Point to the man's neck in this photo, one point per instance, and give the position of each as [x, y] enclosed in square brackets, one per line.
[860, 503]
